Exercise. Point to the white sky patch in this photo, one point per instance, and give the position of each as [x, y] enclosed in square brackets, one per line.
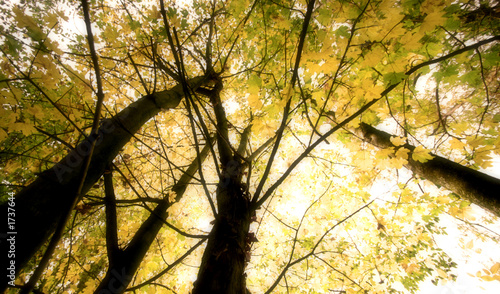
[484, 255]
[469, 261]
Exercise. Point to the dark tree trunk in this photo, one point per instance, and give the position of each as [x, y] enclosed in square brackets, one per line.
[472, 185]
[125, 263]
[222, 268]
[41, 205]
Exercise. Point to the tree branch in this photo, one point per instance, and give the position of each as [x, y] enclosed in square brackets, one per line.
[111, 221]
[363, 109]
[303, 33]
[472, 185]
[169, 267]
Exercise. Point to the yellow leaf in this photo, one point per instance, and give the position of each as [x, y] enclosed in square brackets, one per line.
[53, 46]
[421, 154]
[475, 142]
[111, 33]
[483, 159]
[254, 101]
[89, 287]
[36, 111]
[401, 158]
[468, 213]
[26, 129]
[374, 57]
[397, 31]
[283, 23]
[412, 268]
[384, 153]
[398, 141]
[23, 19]
[330, 65]
[51, 19]
[7, 117]
[443, 199]
[369, 117]
[442, 273]
[469, 244]
[363, 160]
[12, 166]
[411, 41]
[62, 15]
[432, 5]
[3, 135]
[432, 20]
[495, 268]
[373, 92]
[27, 21]
[487, 278]
[456, 144]
[402, 153]
[423, 237]
[263, 128]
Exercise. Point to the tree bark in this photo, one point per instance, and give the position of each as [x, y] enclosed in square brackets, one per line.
[224, 260]
[472, 185]
[40, 205]
[126, 262]
[223, 264]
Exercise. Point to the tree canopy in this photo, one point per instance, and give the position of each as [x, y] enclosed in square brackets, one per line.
[239, 146]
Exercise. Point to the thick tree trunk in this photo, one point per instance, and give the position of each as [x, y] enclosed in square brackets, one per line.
[222, 268]
[472, 185]
[41, 205]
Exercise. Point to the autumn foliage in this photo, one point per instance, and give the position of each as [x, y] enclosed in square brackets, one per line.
[246, 146]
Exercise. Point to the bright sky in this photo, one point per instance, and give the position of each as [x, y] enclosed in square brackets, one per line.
[469, 262]
[485, 254]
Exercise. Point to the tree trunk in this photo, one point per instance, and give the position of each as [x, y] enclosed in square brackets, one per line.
[125, 263]
[41, 205]
[472, 185]
[222, 268]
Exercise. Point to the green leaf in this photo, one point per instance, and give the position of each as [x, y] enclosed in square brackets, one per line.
[324, 16]
[254, 81]
[343, 31]
[394, 78]
[134, 24]
[14, 47]
[491, 58]
[36, 34]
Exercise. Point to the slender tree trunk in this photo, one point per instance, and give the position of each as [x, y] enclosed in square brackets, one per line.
[123, 263]
[40, 205]
[472, 185]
